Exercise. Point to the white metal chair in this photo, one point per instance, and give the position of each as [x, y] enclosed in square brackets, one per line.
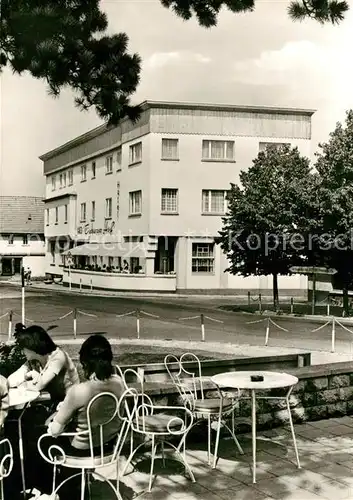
[129, 373]
[158, 423]
[6, 463]
[115, 409]
[190, 387]
[138, 377]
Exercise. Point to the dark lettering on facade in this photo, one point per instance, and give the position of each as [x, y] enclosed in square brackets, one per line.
[89, 229]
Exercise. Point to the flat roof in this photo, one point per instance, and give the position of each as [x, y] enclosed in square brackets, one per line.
[81, 139]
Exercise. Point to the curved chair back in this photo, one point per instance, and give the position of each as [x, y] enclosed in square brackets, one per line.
[6, 462]
[102, 420]
[129, 374]
[188, 382]
[119, 372]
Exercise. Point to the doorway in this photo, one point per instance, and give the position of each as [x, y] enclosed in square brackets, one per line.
[17, 265]
[164, 260]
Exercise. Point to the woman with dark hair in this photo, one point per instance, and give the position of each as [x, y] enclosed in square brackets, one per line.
[96, 358]
[19, 327]
[47, 367]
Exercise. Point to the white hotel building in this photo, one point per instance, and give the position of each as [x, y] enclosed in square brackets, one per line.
[149, 196]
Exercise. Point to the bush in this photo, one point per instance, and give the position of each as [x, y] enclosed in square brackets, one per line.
[11, 358]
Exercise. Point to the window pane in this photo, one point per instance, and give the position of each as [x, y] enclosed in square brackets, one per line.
[217, 201]
[109, 164]
[118, 156]
[170, 149]
[83, 211]
[217, 150]
[136, 152]
[138, 202]
[205, 149]
[135, 202]
[169, 200]
[205, 201]
[202, 258]
[230, 150]
[108, 207]
[272, 145]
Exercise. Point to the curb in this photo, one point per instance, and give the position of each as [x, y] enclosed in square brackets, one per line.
[307, 317]
[118, 293]
[122, 294]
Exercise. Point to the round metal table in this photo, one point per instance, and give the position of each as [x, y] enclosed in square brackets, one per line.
[271, 380]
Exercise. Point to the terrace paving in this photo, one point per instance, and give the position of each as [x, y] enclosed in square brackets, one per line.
[326, 453]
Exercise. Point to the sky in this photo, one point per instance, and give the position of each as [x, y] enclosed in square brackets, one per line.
[258, 58]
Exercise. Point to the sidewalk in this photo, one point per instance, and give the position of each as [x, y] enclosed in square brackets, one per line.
[230, 298]
[325, 450]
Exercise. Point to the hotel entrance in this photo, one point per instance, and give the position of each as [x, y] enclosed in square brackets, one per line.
[164, 261]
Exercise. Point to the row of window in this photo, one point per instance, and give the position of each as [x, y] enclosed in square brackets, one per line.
[213, 202]
[202, 260]
[202, 253]
[85, 171]
[26, 238]
[65, 209]
[212, 150]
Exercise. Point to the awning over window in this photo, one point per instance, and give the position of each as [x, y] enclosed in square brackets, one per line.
[124, 250]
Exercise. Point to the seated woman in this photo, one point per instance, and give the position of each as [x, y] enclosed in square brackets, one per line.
[96, 358]
[47, 367]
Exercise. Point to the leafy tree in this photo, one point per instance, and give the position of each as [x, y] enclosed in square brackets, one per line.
[334, 164]
[64, 43]
[260, 232]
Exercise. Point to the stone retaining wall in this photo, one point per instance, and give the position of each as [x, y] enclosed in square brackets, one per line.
[323, 391]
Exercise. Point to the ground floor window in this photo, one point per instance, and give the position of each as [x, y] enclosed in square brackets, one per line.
[203, 258]
[135, 265]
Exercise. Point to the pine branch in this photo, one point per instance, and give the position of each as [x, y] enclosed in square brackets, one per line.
[323, 11]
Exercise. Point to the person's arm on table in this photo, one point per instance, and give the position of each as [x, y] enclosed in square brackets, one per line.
[19, 376]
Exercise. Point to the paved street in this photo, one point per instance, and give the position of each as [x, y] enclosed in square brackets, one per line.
[100, 314]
